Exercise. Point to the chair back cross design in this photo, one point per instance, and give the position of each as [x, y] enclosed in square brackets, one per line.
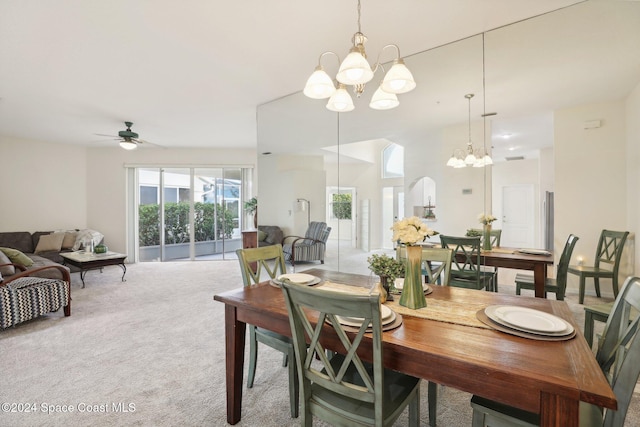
[336, 385]
[436, 263]
[465, 266]
[254, 261]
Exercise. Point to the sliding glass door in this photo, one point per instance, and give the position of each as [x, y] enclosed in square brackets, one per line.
[189, 213]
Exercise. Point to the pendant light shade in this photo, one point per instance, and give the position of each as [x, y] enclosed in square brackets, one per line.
[382, 100]
[356, 71]
[469, 157]
[340, 101]
[398, 79]
[319, 85]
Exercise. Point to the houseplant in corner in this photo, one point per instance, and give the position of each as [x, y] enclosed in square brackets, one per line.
[251, 208]
[388, 269]
[410, 232]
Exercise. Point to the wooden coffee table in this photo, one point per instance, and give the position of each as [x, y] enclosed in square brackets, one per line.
[86, 261]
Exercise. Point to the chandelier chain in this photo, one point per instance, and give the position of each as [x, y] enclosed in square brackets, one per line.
[359, 28]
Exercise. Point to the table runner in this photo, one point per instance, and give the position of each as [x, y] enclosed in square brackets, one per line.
[438, 310]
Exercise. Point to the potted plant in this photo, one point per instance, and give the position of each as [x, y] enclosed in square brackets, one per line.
[251, 208]
[387, 268]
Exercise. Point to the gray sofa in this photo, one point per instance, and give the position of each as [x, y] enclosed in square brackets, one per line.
[26, 243]
[272, 235]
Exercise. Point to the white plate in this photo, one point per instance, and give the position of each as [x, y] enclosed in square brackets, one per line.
[385, 313]
[298, 278]
[357, 321]
[534, 251]
[528, 319]
[399, 284]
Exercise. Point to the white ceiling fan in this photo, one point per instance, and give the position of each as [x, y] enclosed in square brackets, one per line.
[129, 140]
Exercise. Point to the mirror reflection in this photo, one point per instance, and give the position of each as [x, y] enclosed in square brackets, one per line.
[534, 85]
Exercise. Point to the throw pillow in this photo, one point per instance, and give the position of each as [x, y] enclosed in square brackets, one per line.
[261, 236]
[69, 239]
[49, 242]
[7, 270]
[85, 236]
[17, 257]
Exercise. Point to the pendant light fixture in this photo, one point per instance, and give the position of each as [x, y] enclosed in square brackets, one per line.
[477, 158]
[355, 71]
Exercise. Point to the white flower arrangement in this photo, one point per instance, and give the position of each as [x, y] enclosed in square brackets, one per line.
[411, 231]
[486, 219]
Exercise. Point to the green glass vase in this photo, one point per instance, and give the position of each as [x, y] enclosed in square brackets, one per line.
[486, 237]
[412, 291]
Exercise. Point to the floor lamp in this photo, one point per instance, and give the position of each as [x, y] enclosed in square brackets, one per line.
[302, 207]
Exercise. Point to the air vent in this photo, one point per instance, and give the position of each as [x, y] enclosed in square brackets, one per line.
[514, 158]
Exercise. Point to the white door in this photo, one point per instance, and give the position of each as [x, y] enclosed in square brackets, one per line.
[517, 216]
[392, 211]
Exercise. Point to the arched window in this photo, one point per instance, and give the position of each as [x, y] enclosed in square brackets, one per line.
[393, 161]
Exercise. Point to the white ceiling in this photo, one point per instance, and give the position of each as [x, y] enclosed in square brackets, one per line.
[190, 73]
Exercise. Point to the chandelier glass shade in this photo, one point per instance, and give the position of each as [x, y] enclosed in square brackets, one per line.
[476, 158]
[356, 71]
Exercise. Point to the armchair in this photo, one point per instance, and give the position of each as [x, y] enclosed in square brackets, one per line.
[24, 298]
[311, 247]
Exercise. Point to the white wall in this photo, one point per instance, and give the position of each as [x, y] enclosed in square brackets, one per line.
[67, 186]
[43, 186]
[633, 168]
[591, 179]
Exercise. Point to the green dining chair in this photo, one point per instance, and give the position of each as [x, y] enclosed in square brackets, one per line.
[342, 389]
[253, 263]
[466, 263]
[436, 268]
[618, 356]
[557, 285]
[436, 263]
[495, 235]
[607, 262]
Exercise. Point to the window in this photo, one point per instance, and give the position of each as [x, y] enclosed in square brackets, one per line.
[341, 206]
[393, 161]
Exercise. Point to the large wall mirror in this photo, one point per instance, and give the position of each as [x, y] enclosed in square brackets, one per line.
[524, 77]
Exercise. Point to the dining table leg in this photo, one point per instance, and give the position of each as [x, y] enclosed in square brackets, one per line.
[234, 346]
[539, 278]
[559, 411]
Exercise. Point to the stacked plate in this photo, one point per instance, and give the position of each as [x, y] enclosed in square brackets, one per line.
[388, 316]
[297, 278]
[399, 285]
[534, 252]
[528, 322]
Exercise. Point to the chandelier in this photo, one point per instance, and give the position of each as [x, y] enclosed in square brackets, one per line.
[355, 71]
[477, 158]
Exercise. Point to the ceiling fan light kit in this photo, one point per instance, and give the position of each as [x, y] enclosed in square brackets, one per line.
[355, 71]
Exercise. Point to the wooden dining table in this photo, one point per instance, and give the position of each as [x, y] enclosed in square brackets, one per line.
[549, 378]
[512, 258]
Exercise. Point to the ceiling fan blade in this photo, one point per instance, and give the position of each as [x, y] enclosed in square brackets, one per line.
[102, 134]
[144, 142]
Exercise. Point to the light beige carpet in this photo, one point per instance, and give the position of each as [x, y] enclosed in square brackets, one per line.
[150, 352]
